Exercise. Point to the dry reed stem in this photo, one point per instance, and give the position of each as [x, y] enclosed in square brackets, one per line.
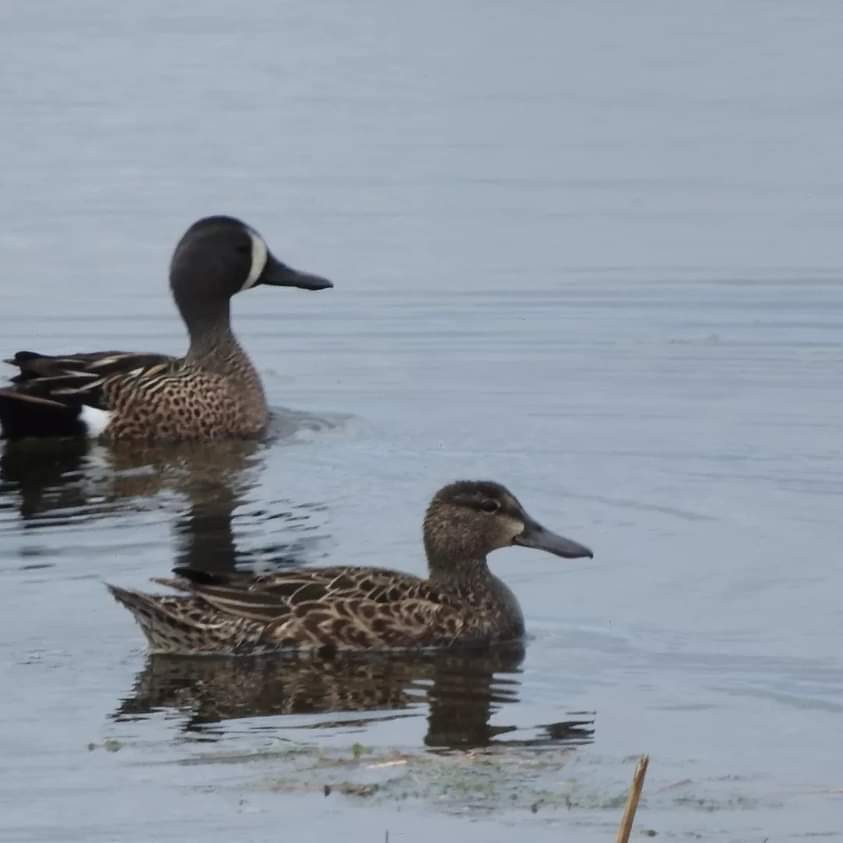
[625, 828]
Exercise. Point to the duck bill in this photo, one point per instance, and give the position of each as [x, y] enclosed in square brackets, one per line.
[534, 535]
[277, 274]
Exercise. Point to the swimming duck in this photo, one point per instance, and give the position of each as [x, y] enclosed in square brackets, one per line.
[460, 604]
[213, 392]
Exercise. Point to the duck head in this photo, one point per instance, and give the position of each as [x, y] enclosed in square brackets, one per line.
[220, 256]
[467, 520]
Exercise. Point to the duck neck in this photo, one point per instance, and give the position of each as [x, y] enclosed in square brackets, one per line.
[481, 590]
[461, 574]
[212, 343]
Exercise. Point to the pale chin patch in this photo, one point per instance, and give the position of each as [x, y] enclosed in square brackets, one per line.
[512, 527]
[259, 257]
[95, 420]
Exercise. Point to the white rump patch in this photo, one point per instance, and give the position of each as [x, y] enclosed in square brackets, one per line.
[259, 256]
[95, 420]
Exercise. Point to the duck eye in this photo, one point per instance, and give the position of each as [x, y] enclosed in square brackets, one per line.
[245, 249]
[490, 505]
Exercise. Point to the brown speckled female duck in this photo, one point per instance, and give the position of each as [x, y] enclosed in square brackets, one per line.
[345, 608]
[213, 392]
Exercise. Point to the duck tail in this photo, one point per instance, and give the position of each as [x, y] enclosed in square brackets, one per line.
[160, 620]
[23, 414]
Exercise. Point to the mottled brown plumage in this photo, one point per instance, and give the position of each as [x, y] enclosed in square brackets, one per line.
[214, 392]
[346, 608]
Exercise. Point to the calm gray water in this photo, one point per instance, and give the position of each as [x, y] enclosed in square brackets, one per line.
[592, 250]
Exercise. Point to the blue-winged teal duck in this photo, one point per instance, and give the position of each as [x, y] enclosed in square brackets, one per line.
[213, 392]
[460, 604]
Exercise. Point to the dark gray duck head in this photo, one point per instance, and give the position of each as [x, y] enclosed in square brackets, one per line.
[220, 256]
[467, 520]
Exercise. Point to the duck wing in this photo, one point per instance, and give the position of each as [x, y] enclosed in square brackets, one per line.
[49, 392]
[270, 596]
[339, 607]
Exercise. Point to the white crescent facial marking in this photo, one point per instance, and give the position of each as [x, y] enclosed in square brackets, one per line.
[259, 257]
[95, 420]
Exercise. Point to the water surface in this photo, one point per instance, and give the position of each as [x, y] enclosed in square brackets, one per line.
[591, 250]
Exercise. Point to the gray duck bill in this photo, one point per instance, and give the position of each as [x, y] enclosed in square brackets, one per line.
[278, 274]
[539, 537]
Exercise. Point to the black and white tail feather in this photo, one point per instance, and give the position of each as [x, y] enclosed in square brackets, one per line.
[65, 395]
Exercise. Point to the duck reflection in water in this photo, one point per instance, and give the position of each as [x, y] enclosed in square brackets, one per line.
[53, 483]
[460, 691]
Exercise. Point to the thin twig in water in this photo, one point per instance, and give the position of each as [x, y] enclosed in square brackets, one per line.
[625, 828]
